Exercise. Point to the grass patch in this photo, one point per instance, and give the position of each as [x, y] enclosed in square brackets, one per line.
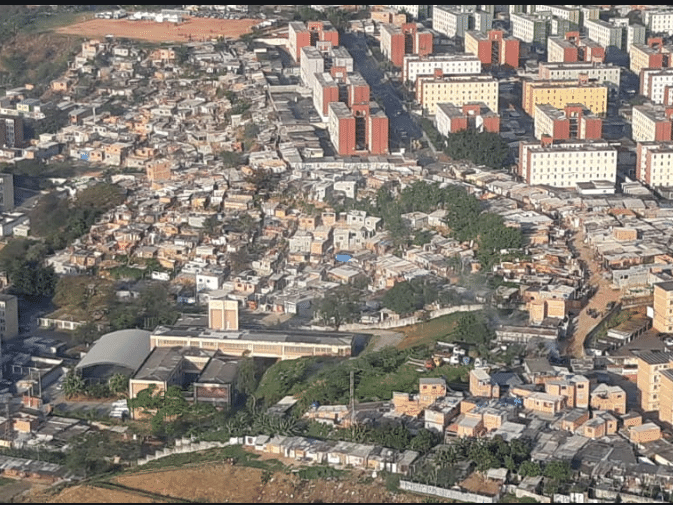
[5, 481]
[320, 472]
[47, 23]
[242, 457]
[429, 332]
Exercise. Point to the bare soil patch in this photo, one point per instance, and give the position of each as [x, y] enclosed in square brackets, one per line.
[194, 29]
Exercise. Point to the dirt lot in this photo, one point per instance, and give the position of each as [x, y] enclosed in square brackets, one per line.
[225, 483]
[604, 295]
[196, 28]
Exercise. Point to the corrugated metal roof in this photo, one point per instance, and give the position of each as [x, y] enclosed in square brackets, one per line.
[127, 348]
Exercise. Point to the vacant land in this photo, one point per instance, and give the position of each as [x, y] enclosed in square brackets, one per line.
[429, 332]
[192, 29]
[217, 482]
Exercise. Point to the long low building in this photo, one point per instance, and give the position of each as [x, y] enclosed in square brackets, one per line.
[449, 64]
[258, 343]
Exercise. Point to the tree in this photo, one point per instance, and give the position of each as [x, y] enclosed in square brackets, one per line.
[86, 333]
[481, 148]
[558, 470]
[247, 377]
[339, 306]
[424, 441]
[530, 469]
[73, 384]
[118, 383]
[230, 159]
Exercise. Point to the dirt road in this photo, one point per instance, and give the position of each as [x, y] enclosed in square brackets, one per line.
[604, 295]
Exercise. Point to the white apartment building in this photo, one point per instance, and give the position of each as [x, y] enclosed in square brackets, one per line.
[572, 14]
[564, 164]
[454, 64]
[651, 123]
[451, 21]
[458, 90]
[606, 34]
[654, 165]
[617, 33]
[659, 20]
[602, 73]
[9, 318]
[528, 28]
[312, 63]
[657, 84]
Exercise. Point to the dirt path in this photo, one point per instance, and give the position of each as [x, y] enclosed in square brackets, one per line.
[604, 295]
[386, 338]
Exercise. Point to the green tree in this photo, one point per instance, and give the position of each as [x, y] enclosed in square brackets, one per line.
[529, 469]
[481, 148]
[118, 383]
[247, 376]
[86, 333]
[73, 384]
[339, 306]
[558, 470]
[424, 441]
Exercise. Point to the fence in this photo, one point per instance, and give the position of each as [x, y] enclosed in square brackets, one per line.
[406, 321]
[452, 494]
[186, 445]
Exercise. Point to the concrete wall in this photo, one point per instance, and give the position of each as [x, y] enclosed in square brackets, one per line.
[397, 323]
[451, 494]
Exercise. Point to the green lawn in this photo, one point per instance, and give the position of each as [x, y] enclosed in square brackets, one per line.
[57, 20]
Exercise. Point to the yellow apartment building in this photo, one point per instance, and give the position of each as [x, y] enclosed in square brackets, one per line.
[650, 368]
[609, 398]
[559, 94]
[663, 307]
[456, 89]
[575, 389]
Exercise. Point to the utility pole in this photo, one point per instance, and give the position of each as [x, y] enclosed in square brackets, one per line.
[352, 388]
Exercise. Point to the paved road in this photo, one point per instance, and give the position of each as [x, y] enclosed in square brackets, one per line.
[402, 126]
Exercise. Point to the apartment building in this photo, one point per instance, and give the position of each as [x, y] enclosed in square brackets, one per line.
[493, 48]
[6, 192]
[9, 317]
[654, 54]
[574, 388]
[572, 48]
[572, 122]
[302, 35]
[659, 20]
[325, 91]
[408, 39]
[601, 73]
[11, 131]
[650, 123]
[650, 367]
[311, 63]
[456, 89]
[559, 94]
[453, 64]
[564, 164]
[616, 33]
[657, 84]
[663, 307]
[572, 14]
[362, 129]
[415, 11]
[653, 167]
[452, 21]
[530, 28]
[473, 116]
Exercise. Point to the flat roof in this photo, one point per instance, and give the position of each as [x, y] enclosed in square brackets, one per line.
[655, 357]
[162, 362]
[219, 370]
[296, 336]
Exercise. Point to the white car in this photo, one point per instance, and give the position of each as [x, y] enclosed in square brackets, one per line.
[668, 341]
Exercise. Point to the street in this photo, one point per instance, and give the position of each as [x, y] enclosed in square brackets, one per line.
[401, 126]
[584, 323]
